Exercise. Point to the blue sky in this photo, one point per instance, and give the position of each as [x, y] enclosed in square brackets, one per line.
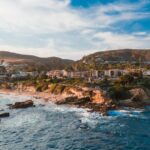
[73, 28]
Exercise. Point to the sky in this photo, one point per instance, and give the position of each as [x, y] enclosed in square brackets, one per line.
[73, 28]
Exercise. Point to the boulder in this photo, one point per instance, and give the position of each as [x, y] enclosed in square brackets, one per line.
[139, 98]
[139, 94]
[26, 104]
[82, 101]
[4, 114]
[67, 100]
[74, 100]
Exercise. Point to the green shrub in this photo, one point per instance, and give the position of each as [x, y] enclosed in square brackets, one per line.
[52, 87]
[59, 89]
[146, 83]
[41, 87]
[118, 93]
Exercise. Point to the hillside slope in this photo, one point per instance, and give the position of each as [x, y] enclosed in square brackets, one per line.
[33, 61]
[98, 59]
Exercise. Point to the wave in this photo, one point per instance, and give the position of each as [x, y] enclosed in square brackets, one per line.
[125, 112]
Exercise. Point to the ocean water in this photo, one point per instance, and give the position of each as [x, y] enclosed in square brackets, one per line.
[51, 127]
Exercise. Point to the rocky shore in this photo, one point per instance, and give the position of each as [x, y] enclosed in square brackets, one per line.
[95, 99]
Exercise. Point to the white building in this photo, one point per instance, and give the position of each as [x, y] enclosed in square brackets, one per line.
[18, 75]
[146, 73]
[57, 73]
[113, 73]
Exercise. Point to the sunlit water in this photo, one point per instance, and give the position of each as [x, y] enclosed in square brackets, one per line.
[51, 127]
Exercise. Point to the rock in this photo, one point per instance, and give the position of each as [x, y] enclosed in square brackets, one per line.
[139, 94]
[99, 97]
[67, 100]
[26, 104]
[4, 115]
[139, 98]
[82, 101]
[74, 100]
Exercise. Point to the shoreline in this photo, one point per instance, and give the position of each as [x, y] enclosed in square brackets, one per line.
[76, 101]
[46, 97]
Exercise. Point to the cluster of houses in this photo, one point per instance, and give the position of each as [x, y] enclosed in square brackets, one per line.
[94, 74]
[7, 74]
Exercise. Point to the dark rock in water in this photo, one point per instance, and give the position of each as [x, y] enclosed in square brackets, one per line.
[82, 101]
[26, 104]
[74, 100]
[83, 126]
[9, 105]
[68, 100]
[4, 114]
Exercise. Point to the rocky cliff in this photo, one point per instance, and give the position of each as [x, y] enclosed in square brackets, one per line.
[96, 100]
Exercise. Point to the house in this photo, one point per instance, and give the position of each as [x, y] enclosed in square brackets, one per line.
[20, 75]
[64, 73]
[93, 73]
[146, 73]
[3, 77]
[3, 63]
[113, 73]
[32, 74]
[76, 74]
[57, 73]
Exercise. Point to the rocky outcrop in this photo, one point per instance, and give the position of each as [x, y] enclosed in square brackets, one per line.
[99, 97]
[4, 114]
[95, 99]
[139, 94]
[18, 105]
[74, 100]
[139, 98]
[68, 100]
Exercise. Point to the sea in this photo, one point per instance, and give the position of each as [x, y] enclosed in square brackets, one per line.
[50, 127]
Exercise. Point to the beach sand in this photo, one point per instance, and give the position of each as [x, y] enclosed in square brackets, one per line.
[45, 96]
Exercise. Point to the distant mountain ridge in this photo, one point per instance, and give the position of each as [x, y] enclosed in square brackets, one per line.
[98, 58]
[44, 63]
[112, 56]
[122, 55]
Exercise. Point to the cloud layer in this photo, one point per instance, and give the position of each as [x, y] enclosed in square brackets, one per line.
[55, 28]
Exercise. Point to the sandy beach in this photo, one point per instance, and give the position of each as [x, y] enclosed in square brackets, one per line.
[46, 97]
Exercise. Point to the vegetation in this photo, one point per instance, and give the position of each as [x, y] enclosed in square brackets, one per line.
[118, 92]
[127, 58]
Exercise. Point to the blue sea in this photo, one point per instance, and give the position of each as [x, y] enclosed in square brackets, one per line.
[51, 127]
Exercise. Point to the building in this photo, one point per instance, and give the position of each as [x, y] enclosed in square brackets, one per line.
[19, 75]
[146, 73]
[76, 74]
[57, 74]
[113, 73]
[3, 77]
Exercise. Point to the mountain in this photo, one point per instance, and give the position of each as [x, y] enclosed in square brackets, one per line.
[34, 62]
[98, 60]
[112, 57]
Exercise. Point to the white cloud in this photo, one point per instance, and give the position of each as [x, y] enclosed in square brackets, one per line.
[60, 30]
[39, 16]
[115, 40]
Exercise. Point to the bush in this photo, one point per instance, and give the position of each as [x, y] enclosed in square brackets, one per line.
[41, 87]
[118, 93]
[126, 79]
[146, 83]
[52, 87]
[59, 89]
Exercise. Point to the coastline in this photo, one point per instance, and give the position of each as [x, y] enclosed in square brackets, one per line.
[46, 97]
[96, 102]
